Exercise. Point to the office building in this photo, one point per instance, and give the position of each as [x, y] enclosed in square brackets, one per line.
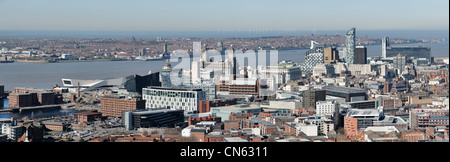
[323, 69]
[209, 89]
[240, 86]
[364, 104]
[152, 118]
[204, 106]
[225, 111]
[421, 62]
[350, 94]
[326, 107]
[409, 52]
[310, 97]
[135, 83]
[350, 46]
[113, 106]
[360, 55]
[330, 55]
[420, 119]
[357, 120]
[173, 98]
[283, 72]
[399, 63]
[391, 103]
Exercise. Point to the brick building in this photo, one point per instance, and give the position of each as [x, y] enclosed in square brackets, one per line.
[413, 136]
[350, 126]
[232, 125]
[87, 116]
[249, 87]
[267, 128]
[56, 126]
[392, 103]
[46, 98]
[22, 99]
[420, 119]
[198, 135]
[289, 128]
[204, 105]
[195, 120]
[114, 106]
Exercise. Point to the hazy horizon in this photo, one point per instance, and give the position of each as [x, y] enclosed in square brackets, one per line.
[406, 34]
[230, 15]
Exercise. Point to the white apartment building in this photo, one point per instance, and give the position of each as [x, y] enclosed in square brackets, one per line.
[308, 129]
[171, 98]
[12, 132]
[327, 107]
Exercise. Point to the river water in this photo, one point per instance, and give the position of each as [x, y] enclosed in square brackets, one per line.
[43, 75]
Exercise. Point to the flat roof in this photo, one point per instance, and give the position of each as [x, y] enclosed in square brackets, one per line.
[343, 89]
[238, 107]
[234, 139]
[365, 112]
[151, 111]
[173, 89]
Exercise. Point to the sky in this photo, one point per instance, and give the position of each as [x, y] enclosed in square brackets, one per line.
[223, 15]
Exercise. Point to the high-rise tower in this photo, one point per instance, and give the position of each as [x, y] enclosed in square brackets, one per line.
[165, 75]
[330, 55]
[165, 54]
[360, 55]
[350, 46]
[384, 45]
[231, 63]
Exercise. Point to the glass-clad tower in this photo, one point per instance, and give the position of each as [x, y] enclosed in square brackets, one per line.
[350, 46]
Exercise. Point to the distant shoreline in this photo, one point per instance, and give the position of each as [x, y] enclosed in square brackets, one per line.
[412, 34]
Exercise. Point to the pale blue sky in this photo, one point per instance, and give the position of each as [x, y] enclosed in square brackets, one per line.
[223, 15]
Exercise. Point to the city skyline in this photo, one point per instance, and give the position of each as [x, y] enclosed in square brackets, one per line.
[224, 71]
[202, 15]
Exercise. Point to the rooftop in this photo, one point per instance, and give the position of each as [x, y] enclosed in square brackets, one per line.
[343, 89]
[91, 112]
[238, 107]
[365, 112]
[172, 89]
[234, 139]
[145, 111]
